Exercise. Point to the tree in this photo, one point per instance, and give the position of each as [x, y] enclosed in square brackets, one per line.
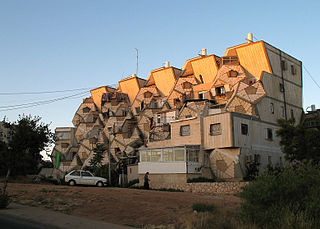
[297, 142]
[98, 156]
[21, 154]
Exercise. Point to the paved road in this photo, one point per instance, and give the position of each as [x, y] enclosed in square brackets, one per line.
[18, 216]
[13, 222]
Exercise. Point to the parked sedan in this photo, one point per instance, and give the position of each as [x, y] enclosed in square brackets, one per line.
[84, 178]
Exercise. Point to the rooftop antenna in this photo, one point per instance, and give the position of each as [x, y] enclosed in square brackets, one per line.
[137, 60]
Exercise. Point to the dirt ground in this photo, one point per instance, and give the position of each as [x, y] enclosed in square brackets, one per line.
[134, 207]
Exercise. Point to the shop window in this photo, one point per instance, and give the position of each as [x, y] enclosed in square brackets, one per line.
[185, 130]
[215, 129]
[244, 129]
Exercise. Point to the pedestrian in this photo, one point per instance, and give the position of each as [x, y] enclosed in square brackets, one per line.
[146, 180]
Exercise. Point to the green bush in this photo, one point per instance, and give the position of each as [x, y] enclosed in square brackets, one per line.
[132, 182]
[281, 198]
[4, 201]
[204, 207]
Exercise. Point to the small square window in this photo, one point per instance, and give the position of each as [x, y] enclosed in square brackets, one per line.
[185, 130]
[215, 129]
[244, 129]
[269, 134]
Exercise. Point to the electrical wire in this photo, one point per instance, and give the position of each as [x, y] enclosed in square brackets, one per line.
[38, 103]
[310, 76]
[43, 92]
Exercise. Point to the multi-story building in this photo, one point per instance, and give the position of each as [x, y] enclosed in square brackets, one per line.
[209, 118]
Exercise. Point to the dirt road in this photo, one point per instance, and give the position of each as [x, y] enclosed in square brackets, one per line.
[134, 207]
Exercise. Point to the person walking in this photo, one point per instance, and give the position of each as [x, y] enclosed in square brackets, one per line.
[146, 180]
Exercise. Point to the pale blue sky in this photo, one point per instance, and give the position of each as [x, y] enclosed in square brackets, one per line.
[69, 44]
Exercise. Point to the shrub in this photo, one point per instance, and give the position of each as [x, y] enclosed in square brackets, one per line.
[203, 207]
[281, 198]
[132, 182]
[4, 201]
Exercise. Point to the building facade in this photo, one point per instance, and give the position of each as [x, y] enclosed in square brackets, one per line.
[209, 118]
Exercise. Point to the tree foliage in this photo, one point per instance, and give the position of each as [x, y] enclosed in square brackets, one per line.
[287, 198]
[98, 156]
[297, 142]
[28, 137]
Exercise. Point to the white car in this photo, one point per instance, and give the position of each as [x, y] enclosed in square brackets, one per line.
[84, 178]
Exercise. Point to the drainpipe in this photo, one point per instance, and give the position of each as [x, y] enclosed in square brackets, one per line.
[284, 89]
[201, 139]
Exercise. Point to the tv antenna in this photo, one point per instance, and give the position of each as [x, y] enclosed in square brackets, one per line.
[137, 61]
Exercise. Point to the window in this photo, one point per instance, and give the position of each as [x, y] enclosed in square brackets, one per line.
[282, 111]
[110, 130]
[179, 154]
[185, 130]
[176, 101]
[167, 154]
[293, 70]
[244, 129]
[232, 73]
[281, 87]
[186, 85]
[86, 110]
[269, 134]
[158, 118]
[257, 158]
[147, 94]
[284, 65]
[86, 174]
[271, 108]
[203, 95]
[291, 112]
[75, 173]
[155, 155]
[215, 129]
[220, 91]
[201, 78]
[64, 145]
[193, 155]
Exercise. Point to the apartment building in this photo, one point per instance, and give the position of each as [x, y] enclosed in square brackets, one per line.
[208, 118]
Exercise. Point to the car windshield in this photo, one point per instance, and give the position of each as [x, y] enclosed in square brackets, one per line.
[86, 174]
[75, 173]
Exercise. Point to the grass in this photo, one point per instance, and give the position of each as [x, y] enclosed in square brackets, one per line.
[204, 207]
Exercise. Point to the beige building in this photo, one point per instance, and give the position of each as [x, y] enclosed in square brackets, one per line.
[207, 119]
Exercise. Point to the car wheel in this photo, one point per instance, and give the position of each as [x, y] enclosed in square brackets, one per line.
[72, 183]
[100, 184]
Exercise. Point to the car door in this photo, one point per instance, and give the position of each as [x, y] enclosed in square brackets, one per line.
[87, 178]
[75, 176]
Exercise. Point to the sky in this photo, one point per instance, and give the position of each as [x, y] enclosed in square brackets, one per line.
[67, 47]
